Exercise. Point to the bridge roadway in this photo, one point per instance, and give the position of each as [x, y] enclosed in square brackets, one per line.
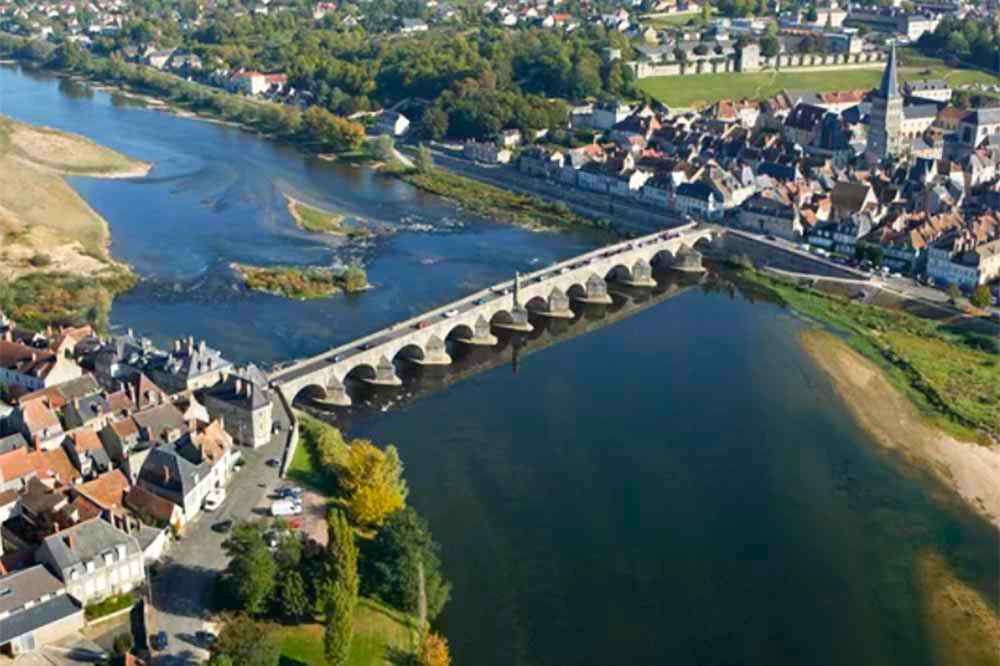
[546, 292]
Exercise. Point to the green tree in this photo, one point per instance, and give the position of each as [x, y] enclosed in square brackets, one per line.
[954, 293]
[293, 602]
[434, 124]
[123, 643]
[246, 642]
[251, 571]
[341, 582]
[330, 131]
[355, 279]
[424, 160]
[770, 46]
[981, 297]
[384, 148]
[391, 565]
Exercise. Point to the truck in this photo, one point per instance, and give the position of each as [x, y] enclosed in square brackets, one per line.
[286, 507]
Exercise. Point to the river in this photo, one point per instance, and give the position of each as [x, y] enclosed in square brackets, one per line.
[680, 487]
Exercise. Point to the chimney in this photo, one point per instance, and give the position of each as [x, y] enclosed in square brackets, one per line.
[177, 345]
[190, 342]
[69, 541]
[239, 386]
[201, 346]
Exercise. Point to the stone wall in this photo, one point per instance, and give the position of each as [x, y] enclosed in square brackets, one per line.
[783, 62]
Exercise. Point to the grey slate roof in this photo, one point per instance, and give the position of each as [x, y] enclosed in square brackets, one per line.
[27, 585]
[920, 111]
[91, 540]
[10, 442]
[36, 617]
[889, 88]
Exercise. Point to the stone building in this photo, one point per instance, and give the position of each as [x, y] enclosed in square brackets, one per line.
[885, 129]
[244, 403]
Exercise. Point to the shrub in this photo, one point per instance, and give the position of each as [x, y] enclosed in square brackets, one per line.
[40, 260]
[981, 297]
[109, 606]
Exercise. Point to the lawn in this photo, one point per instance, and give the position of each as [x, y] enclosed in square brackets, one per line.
[672, 21]
[380, 633]
[701, 89]
[303, 469]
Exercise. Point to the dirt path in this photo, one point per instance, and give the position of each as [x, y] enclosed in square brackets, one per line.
[971, 470]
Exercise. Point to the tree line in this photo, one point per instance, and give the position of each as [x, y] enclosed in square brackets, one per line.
[377, 547]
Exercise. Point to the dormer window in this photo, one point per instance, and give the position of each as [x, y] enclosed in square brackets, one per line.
[91, 566]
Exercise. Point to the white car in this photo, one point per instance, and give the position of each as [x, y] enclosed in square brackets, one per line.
[451, 313]
[286, 507]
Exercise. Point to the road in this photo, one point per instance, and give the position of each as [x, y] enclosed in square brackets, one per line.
[186, 578]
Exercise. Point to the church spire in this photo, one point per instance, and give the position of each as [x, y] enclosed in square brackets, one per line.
[890, 87]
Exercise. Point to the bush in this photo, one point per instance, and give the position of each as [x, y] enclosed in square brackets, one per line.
[40, 260]
[123, 643]
[109, 606]
[354, 279]
[981, 297]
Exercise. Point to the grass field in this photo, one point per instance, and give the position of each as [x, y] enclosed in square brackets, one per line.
[700, 89]
[381, 635]
[303, 469]
[673, 21]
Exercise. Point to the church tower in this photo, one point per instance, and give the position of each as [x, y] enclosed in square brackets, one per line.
[886, 118]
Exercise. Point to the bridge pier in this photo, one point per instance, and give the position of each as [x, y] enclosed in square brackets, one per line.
[595, 299]
[481, 336]
[518, 321]
[563, 313]
[688, 261]
[385, 374]
[336, 396]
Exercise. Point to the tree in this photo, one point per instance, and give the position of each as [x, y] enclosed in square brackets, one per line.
[372, 479]
[251, 571]
[355, 279]
[954, 293]
[434, 650]
[424, 161]
[330, 131]
[434, 124]
[770, 46]
[123, 643]
[981, 297]
[384, 148]
[391, 565]
[246, 642]
[293, 603]
[958, 44]
[341, 588]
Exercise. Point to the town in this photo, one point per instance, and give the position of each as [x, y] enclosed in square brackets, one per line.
[858, 143]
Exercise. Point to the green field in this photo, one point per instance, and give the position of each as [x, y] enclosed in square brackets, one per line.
[674, 21]
[381, 635]
[701, 89]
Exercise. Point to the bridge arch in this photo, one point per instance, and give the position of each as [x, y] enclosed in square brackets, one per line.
[537, 304]
[310, 392]
[410, 352]
[501, 317]
[463, 331]
[619, 273]
[663, 259]
[360, 372]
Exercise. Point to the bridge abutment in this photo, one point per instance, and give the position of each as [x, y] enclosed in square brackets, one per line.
[481, 335]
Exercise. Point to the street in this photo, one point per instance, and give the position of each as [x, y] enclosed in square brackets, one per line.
[186, 578]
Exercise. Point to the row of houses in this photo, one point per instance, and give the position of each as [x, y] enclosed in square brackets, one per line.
[102, 465]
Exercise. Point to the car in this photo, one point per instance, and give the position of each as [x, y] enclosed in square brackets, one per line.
[222, 526]
[368, 345]
[286, 507]
[421, 324]
[480, 301]
[160, 640]
[213, 500]
[272, 462]
[337, 358]
[451, 313]
[770, 237]
[204, 637]
[289, 493]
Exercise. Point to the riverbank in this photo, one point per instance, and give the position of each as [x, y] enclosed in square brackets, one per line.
[489, 201]
[971, 469]
[55, 256]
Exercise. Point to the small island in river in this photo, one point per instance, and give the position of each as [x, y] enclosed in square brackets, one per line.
[302, 282]
[318, 221]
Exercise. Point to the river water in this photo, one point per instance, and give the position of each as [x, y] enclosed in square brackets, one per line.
[680, 486]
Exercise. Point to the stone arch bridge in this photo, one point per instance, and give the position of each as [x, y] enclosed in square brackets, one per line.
[470, 320]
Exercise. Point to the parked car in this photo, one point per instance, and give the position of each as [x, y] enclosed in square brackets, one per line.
[160, 640]
[289, 492]
[222, 526]
[272, 462]
[451, 313]
[204, 637]
[286, 507]
[214, 499]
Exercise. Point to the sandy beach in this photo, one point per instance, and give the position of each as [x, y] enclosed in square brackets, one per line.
[972, 470]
